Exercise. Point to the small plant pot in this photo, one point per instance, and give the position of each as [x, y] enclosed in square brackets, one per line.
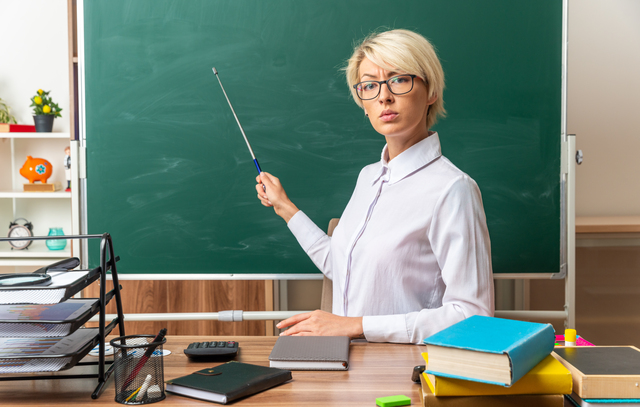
[44, 122]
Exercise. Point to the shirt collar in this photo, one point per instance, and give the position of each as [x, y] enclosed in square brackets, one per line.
[409, 161]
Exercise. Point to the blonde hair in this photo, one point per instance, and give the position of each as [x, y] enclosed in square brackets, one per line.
[405, 51]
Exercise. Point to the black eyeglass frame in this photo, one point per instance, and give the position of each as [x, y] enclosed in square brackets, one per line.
[388, 87]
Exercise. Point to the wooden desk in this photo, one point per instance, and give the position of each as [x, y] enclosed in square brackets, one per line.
[376, 370]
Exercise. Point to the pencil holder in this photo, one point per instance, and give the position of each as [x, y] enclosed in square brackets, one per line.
[139, 369]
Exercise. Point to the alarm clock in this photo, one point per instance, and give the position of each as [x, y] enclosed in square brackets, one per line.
[17, 230]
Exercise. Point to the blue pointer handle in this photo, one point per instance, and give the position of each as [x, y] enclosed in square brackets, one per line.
[255, 161]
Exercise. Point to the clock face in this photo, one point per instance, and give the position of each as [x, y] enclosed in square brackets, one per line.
[19, 231]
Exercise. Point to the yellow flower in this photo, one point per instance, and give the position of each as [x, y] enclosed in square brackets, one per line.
[40, 91]
[46, 109]
[38, 100]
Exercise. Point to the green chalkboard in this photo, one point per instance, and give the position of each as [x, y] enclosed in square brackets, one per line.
[170, 177]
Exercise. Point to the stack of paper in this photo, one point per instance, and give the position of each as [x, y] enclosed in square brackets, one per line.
[43, 320]
[12, 349]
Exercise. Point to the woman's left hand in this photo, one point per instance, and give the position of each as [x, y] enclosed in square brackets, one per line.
[321, 323]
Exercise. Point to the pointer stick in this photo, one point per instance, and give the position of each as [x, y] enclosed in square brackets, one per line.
[255, 161]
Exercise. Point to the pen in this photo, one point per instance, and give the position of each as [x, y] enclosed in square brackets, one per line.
[144, 358]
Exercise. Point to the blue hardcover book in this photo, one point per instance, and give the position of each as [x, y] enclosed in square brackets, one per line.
[489, 350]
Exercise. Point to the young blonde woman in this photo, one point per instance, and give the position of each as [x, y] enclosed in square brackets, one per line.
[411, 253]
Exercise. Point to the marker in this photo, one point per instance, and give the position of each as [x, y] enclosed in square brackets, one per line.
[255, 161]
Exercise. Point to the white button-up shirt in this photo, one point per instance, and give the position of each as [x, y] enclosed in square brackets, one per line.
[411, 253]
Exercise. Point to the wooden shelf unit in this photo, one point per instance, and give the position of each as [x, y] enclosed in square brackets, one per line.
[43, 209]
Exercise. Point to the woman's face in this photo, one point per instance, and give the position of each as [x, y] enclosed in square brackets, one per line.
[402, 117]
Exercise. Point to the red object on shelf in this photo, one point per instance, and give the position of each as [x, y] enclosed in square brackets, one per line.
[17, 128]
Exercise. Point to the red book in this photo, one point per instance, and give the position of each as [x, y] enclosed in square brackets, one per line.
[17, 128]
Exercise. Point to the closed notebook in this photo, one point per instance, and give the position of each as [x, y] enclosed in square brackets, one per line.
[603, 371]
[577, 401]
[311, 353]
[428, 399]
[228, 382]
[547, 377]
[490, 350]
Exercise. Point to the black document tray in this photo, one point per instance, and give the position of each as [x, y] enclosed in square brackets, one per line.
[63, 285]
[54, 362]
[38, 328]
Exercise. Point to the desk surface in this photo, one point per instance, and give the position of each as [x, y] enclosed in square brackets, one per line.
[376, 370]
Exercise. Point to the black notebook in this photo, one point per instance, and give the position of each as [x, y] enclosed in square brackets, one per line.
[228, 382]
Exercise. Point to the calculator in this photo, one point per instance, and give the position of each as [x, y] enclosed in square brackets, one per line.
[211, 350]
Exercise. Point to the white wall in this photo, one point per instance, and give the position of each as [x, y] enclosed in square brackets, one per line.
[603, 104]
[35, 55]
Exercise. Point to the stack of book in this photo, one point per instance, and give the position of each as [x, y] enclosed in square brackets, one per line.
[484, 361]
[603, 375]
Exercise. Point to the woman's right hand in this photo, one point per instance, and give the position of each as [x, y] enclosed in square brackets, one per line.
[273, 195]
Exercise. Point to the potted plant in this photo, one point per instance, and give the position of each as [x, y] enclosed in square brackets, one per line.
[44, 111]
[5, 113]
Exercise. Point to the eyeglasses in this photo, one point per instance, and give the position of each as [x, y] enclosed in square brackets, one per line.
[398, 85]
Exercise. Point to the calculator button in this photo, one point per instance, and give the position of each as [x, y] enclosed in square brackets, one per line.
[201, 351]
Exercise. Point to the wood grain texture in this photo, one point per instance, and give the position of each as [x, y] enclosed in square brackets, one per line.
[607, 224]
[189, 296]
[376, 370]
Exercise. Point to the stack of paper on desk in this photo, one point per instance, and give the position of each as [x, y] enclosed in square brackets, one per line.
[31, 320]
[63, 285]
[12, 349]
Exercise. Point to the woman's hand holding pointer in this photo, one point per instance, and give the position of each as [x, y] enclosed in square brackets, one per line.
[274, 196]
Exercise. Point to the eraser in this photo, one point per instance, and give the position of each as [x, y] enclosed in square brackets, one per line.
[154, 392]
[393, 401]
